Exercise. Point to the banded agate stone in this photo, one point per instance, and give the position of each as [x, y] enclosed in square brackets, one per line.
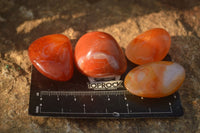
[98, 55]
[150, 46]
[52, 56]
[154, 80]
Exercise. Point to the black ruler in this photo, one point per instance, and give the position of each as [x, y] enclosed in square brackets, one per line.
[77, 99]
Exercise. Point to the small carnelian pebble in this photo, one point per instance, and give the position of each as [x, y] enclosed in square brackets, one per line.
[97, 54]
[154, 80]
[150, 46]
[52, 56]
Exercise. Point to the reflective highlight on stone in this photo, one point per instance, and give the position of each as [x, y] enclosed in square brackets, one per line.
[150, 46]
[52, 56]
[154, 80]
[97, 54]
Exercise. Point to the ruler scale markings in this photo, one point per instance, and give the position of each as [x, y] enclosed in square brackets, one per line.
[170, 107]
[83, 93]
[84, 108]
[127, 108]
[37, 94]
[106, 110]
[74, 98]
[108, 98]
[106, 113]
[116, 114]
[125, 98]
[149, 110]
[174, 96]
[92, 99]
[37, 109]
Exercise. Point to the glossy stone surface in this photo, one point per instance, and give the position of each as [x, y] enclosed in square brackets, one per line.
[150, 46]
[97, 54]
[155, 80]
[52, 56]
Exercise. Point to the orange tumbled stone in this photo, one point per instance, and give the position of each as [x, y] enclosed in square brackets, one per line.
[150, 46]
[52, 56]
[97, 54]
[154, 80]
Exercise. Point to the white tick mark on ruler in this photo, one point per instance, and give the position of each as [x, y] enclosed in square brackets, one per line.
[106, 110]
[74, 98]
[127, 108]
[174, 96]
[37, 94]
[170, 107]
[125, 98]
[108, 98]
[92, 98]
[149, 110]
[58, 98]
[84, 108]
[37, 109]
[40, 98]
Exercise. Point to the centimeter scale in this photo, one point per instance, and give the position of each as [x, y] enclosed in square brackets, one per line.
[80, 98]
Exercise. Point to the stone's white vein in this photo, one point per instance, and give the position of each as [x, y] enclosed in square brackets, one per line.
[140, 76]
[63, 52]
[101, 36]
[41, 67]
[171, 73]
[80, 61]
[111, 60]
[88, 55]
[43, 52]
[130, 86]
[144, 58]
[50, 47]
[99, 55]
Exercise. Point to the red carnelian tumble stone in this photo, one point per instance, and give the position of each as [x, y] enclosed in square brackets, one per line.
[97, 54]
[150, 46]
[52, 56]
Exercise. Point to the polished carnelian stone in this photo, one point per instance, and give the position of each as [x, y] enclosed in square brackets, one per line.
[97, 54]
[154, 80]
[150, 46]
[52, 56]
